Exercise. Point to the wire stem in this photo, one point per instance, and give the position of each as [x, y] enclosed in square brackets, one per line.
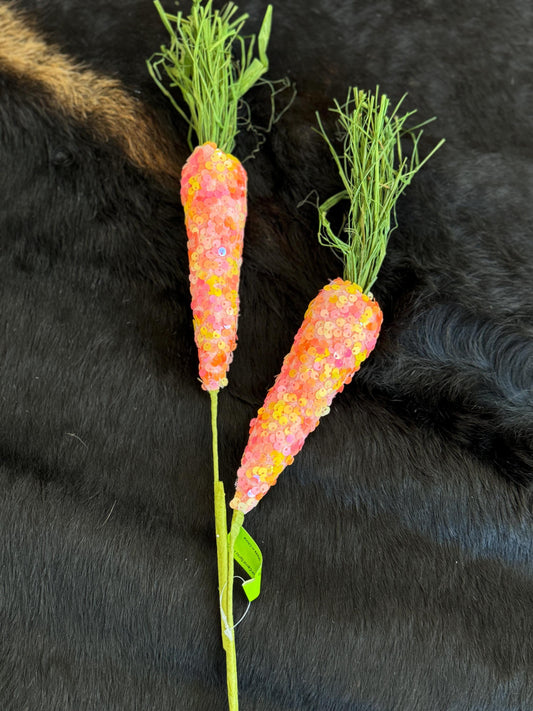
[224, 566]
[231, 658]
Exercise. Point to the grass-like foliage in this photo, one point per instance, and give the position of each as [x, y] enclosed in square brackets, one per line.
[212, 65]
[374, 172]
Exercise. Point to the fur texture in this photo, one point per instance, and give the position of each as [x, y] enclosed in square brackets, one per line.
[398, 556]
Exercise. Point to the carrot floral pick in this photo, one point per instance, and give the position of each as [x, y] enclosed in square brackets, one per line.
[342, 323]
[200, 63]
[213, 66]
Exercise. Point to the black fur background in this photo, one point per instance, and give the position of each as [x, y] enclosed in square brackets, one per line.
[398, 547]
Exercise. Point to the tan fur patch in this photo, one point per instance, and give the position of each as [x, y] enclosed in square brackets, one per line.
[86, 96]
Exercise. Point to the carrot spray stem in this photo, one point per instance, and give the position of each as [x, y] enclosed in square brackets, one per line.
[213, 66]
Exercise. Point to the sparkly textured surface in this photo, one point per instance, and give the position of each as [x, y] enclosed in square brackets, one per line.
[339, 330]
[213, 194]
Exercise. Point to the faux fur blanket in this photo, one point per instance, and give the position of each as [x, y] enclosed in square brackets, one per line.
[399, 545]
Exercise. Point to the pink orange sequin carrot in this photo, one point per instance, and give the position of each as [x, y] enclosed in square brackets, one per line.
[200, 62]
[213, 194]
[342, 323]
[339, 330]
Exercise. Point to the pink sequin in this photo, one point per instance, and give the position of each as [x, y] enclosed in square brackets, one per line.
[213, 194]
[320, 363]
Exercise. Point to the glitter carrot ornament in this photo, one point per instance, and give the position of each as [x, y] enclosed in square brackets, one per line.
[213, 66]
[201, 64]
[342, 323]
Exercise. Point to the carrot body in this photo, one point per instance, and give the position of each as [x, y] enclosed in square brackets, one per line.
[339, 330]
[213, 194]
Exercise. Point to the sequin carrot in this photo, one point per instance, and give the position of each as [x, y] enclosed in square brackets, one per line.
[212, 82]
[342, 323]
[339, 330]
[213, 194]
[213, 66]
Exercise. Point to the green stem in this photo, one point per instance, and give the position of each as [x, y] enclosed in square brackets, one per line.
[225, 566]
[220, 503]
[231, 657]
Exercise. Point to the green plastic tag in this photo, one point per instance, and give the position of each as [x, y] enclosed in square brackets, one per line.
[248, 555]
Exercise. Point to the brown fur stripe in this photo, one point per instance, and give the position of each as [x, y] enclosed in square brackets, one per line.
[90, 98]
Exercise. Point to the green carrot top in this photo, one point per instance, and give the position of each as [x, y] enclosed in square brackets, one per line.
[374, 173]
[200, 62]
